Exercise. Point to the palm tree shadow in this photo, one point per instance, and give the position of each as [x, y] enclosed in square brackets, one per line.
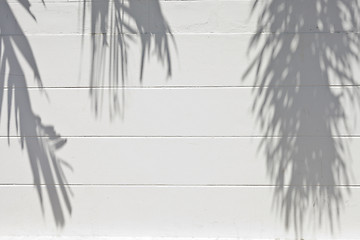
[299, 111]
[112, 32]
[40, 141]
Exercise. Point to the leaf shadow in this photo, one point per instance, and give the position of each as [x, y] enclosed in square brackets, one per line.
[303, 64]
[40, 141]
[114, 25]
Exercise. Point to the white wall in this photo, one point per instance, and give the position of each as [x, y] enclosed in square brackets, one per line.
[244, 124]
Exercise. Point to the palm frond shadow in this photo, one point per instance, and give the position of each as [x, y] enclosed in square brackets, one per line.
[112, 32]
[40, 141]
[299, 111]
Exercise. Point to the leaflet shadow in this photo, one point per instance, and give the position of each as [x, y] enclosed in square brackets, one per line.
[305, 54]
[40, 141]
[114, 25]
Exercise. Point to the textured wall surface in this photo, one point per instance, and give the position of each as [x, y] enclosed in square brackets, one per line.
[180, 118]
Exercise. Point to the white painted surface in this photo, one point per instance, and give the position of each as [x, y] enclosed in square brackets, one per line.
[143, 160]
[206, 150]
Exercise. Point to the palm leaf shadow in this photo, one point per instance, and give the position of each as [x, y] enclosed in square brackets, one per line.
[40, 141]
[298, 110]
[111, 34]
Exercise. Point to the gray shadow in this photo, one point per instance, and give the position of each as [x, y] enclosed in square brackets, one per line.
[114, 24]
[303, 73]
[40, 141]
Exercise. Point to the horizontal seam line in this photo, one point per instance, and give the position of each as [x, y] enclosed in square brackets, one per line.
[174, 33]
[127, 136]
[182, 87]
[183, 185]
